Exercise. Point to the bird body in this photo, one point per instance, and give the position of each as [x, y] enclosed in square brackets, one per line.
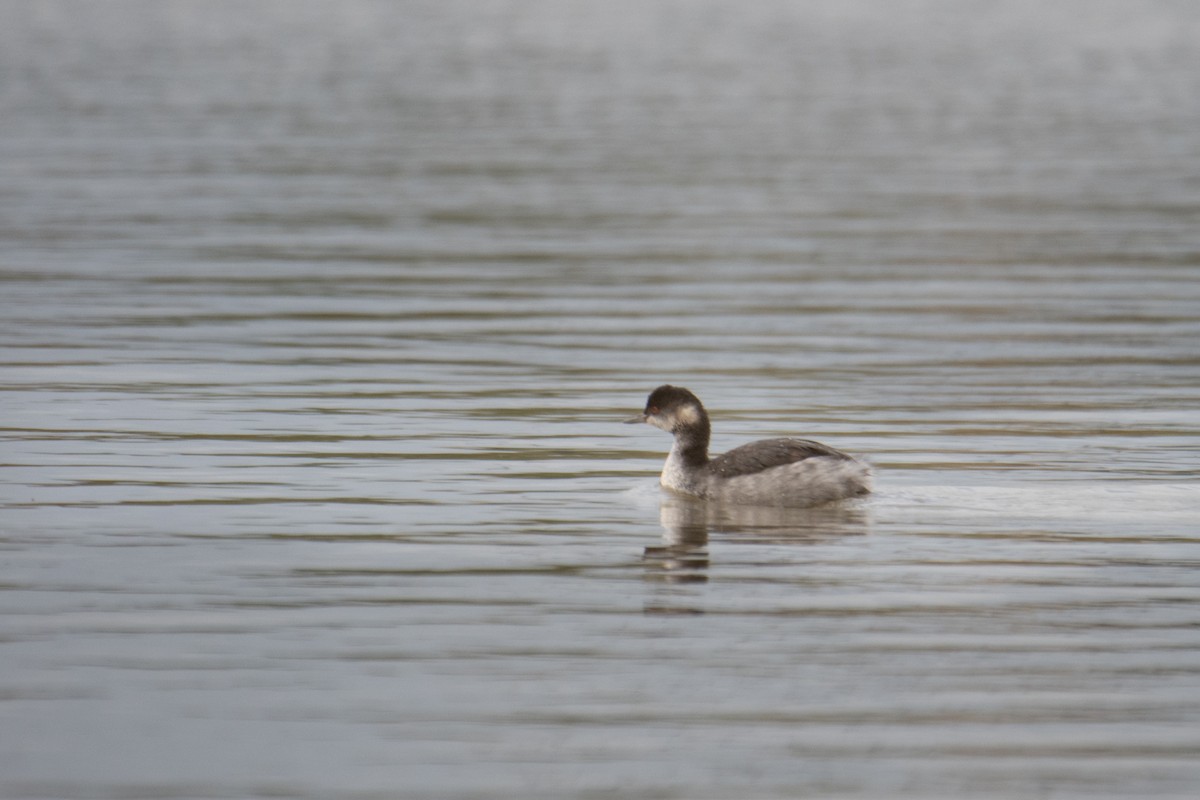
[777, 472]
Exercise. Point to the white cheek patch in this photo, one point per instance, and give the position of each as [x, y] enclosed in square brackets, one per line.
[688, 415]
[660, 422]
[671, 421]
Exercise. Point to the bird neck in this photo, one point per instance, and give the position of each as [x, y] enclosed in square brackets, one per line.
[691, 443]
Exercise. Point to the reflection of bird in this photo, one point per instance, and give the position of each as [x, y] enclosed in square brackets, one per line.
[776, 472]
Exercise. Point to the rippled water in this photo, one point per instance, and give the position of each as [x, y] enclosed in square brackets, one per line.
[318, 322]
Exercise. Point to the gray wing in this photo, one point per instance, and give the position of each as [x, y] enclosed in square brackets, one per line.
[768, 453]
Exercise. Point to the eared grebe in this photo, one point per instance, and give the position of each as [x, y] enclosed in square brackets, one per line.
[774, 472]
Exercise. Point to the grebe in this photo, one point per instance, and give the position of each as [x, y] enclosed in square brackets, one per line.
[796, 473]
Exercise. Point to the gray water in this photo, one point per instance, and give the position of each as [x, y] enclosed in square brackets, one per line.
[319, 320]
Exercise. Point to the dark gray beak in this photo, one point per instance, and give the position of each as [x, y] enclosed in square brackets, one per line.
[636, 420]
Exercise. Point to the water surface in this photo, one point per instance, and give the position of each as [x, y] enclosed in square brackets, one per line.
[318, 324]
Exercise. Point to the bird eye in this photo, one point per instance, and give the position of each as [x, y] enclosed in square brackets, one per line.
[652, 410]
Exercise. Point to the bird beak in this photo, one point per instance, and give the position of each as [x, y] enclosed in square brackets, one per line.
[636, 420]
